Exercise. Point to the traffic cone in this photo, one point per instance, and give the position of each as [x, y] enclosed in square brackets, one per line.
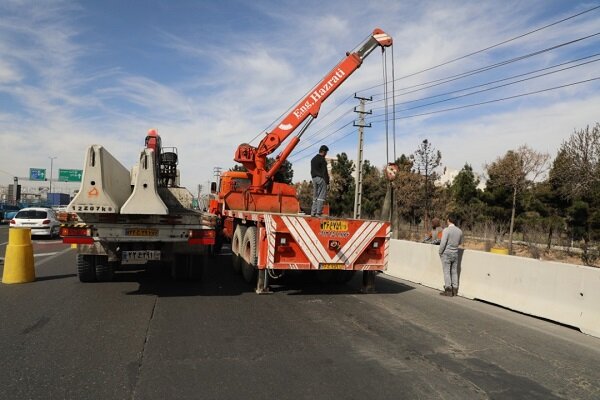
[18, 260]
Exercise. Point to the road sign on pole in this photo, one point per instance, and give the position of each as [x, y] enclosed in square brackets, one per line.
[37, 174]
[70, 175]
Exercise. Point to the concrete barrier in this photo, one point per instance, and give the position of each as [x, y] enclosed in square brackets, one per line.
[565, 293]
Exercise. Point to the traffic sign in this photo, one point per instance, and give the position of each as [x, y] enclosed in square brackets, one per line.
[70, 175]
[37, 174]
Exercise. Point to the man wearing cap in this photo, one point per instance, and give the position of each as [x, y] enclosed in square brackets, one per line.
[320, 178]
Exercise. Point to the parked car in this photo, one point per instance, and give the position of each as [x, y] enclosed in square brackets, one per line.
[7, 212]
[42, 221]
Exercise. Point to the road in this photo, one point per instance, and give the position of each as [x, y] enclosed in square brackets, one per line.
[139, 338]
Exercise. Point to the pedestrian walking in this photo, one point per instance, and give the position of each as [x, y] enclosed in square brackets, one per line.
[452, 238]
[320, 179]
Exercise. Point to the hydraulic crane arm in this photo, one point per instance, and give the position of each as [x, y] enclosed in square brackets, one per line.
[254, 158]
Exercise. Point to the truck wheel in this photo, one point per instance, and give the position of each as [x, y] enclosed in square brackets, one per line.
[249, 255]
[104, 269]
[236, 246]
[86, 268]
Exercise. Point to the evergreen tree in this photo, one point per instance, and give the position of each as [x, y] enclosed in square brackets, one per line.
[426, 160]
[341, 187]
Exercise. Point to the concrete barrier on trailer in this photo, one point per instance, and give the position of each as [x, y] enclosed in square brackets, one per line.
[560, 292]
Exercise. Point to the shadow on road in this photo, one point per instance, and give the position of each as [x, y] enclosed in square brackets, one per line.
[53, 277]
[219, 279]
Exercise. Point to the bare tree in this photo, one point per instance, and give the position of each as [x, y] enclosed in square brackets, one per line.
[577, 165]
[517, 170]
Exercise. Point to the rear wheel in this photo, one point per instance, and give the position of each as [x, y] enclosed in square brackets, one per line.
[250, 255]
[236, 247]
[104, 269]
[86, 268]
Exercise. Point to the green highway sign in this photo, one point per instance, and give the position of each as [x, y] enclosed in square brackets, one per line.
[70, 175]
[37, 174]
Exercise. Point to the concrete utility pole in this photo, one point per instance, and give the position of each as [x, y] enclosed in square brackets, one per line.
[359, 159]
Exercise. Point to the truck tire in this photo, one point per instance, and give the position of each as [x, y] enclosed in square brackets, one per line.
[250, 255]
[236, 246]
[104, 269]
[86, 268]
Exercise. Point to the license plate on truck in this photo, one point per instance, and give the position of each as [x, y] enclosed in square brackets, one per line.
[332, 266]
[139, 256]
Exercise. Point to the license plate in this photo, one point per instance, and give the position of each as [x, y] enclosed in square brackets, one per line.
[139, 256]
[334, 226]
[141, 232]
[332, 266]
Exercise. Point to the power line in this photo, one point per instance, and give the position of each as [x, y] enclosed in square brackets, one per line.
[496, 100]
[491, 88]
[455, 77]
[462, 107]
[452, 78]
[493, 46]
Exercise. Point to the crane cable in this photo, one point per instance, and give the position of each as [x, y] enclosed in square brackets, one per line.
[387, 106]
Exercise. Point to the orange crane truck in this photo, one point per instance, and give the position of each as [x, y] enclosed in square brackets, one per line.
[262, 220]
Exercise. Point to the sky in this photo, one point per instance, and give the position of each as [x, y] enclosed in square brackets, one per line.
[211, 75]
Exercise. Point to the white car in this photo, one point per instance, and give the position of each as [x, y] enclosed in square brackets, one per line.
[42, 221]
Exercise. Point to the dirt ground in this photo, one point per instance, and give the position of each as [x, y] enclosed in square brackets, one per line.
[520, 250]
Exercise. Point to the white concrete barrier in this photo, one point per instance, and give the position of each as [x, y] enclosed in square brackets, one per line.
[565, 293]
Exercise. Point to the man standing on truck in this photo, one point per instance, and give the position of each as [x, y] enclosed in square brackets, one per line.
[320, 179]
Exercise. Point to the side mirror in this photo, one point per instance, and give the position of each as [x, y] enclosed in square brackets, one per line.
[213, 187]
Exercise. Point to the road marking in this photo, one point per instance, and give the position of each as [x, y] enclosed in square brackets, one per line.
[2, 244]
[42, 254]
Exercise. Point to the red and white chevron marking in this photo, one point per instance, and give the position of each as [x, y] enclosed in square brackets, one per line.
[271, 227]
[316, 252]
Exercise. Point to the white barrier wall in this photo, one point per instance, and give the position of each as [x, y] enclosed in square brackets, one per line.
[565, 293]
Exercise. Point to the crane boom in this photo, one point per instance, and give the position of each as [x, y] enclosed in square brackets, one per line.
[254, 158]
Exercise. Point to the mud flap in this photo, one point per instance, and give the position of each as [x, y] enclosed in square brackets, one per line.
[368, 282]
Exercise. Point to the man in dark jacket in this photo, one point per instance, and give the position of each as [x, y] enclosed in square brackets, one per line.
[320, 178]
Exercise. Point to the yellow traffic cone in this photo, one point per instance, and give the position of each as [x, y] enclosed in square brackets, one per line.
[18, 261]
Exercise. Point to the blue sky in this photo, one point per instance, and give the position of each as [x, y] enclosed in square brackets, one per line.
[210, 75]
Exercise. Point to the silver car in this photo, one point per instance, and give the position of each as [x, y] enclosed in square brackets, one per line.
[42, 221]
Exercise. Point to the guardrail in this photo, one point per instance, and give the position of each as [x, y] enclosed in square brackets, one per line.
[565, 293]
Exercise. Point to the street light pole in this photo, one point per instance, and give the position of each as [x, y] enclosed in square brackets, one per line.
[51, 165]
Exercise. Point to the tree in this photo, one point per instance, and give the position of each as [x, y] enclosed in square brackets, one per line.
[304, 191]
[465, 196]
[407, 194]
[579, 157]
[285, 173]
[373, 192]
[517, 170]
[426, 159]
[341, 186]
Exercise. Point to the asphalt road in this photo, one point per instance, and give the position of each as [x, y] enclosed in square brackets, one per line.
[140, 338]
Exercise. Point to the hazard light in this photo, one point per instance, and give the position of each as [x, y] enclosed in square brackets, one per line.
[202, 236]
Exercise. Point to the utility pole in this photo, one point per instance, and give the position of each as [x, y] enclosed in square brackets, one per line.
[359, 159]
[51, 165]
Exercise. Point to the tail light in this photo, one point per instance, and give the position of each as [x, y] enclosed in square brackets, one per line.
[202, 236]
[76, 234]
[12, 222]
[46, 222]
